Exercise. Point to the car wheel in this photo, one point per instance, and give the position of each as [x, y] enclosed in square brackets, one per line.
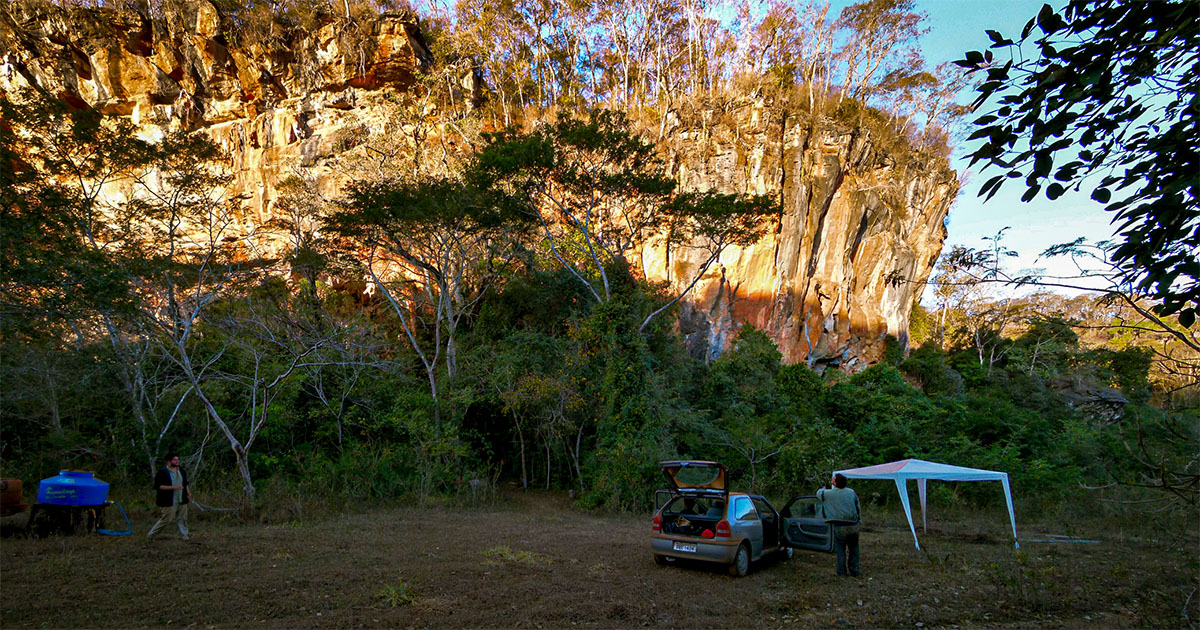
[741, 562]
[660, 560]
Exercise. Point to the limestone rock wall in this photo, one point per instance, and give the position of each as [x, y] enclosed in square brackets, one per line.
[274, 106]
[858, 234]
[819, 284]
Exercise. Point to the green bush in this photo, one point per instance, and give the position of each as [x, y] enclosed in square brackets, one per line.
[929, 366]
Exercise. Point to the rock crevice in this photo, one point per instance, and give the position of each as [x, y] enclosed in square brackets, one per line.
[824, 283]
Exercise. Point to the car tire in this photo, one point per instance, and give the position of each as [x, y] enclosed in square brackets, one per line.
[741, 562]
[660, 560]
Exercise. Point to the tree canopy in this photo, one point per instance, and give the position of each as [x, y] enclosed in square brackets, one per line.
[600, 191]
[1110, 100]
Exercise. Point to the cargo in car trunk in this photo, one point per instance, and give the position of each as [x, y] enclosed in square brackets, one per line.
[691, 516]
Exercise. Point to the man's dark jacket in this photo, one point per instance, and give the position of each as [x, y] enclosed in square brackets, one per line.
[165, 498]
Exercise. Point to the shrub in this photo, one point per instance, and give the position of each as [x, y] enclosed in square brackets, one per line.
[929, 366]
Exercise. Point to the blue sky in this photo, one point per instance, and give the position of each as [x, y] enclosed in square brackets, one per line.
[957, 26]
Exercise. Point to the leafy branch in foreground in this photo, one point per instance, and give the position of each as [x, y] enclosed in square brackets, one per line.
[1098, 271]
[1111, 94]
[1175, 471]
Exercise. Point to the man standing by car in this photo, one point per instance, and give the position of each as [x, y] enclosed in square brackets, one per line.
[842, 513]
[171, 494]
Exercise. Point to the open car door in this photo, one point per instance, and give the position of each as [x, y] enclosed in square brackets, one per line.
[805, 526]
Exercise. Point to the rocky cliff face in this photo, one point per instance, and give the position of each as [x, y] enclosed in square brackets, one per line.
[860, 231]
[820, 284]
[277, 106]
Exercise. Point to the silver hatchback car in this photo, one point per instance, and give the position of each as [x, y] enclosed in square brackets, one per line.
[701, 520]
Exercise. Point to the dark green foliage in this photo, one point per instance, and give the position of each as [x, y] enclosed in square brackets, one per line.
[577, 373]
[893, 352]
[928, 364]
[630, 427]
[1127, 369]
[598, 154]
[398, 213]
[534, 376]
[714, 217]
[966, 363]
[1111, 94]
[1044, 349]
[744, 379]
[746, 409]
[801, 383]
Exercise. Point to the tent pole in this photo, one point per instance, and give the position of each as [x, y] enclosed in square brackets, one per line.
[1011, 519]
[921, 491]
[902, 488]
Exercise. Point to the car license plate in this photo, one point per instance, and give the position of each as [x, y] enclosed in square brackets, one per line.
[690, 548]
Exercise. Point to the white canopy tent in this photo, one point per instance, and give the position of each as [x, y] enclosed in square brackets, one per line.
[923, 471]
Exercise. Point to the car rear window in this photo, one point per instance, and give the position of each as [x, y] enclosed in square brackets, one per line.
[697, 476]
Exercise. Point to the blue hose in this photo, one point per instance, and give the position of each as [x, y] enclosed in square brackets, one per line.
[128, 527]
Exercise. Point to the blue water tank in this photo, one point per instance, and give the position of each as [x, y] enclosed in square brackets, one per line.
[72, 487]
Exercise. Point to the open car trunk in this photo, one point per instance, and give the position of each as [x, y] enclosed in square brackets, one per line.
[693, 516]
[698, 497]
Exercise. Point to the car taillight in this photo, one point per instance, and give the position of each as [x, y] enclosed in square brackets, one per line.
[723, 529]
[657, 526]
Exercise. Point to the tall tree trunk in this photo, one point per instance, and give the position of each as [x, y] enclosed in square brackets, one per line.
[243, 466]
[942, 327]
[547, 463]
[578, 448]
[521, 441]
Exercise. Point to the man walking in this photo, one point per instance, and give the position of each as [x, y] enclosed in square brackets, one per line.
[842, 513]
[171, 494]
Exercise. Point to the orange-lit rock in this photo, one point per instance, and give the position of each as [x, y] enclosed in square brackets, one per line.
[276, 107]
[842, 270]
[819, 284]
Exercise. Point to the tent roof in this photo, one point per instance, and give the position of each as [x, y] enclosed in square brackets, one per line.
[921, 469]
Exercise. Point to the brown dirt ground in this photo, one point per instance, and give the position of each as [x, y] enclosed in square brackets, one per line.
[531, 560]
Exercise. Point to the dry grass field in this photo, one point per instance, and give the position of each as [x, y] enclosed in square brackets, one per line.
[529, 560]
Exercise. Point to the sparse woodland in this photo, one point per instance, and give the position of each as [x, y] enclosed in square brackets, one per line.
[509, 339]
